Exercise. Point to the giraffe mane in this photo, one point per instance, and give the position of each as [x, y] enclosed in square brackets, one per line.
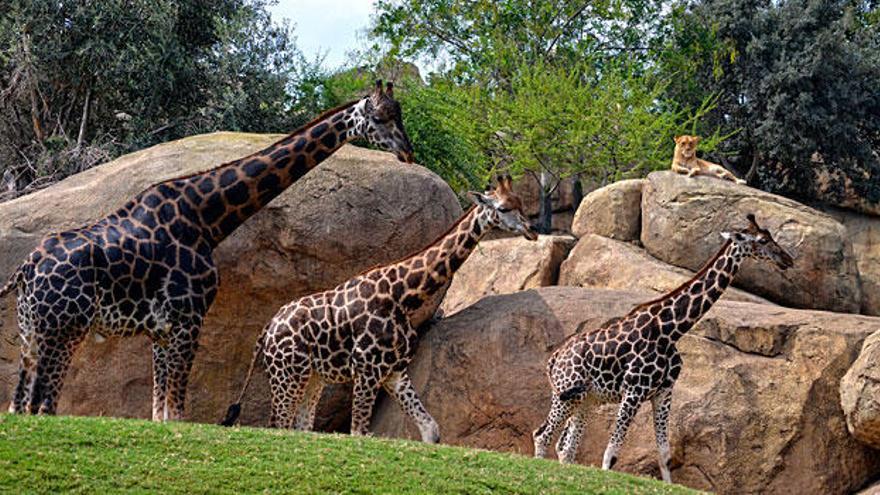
[678, 290]
[323, 115]
[424, 248]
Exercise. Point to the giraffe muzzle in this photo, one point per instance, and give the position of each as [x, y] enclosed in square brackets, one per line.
[406, 156]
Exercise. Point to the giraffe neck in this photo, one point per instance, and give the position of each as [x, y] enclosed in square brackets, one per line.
[427, 272]
[231, 193]
[681, 309]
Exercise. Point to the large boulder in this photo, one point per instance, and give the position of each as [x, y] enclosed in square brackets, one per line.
[613, 211]
[864, 234]
[358, 209]
[682, 218]
[601, 263]
[860, 394]
[755, 409]
[505, 265]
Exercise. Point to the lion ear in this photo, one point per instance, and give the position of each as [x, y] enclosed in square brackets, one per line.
[676, 139]
[697, 139]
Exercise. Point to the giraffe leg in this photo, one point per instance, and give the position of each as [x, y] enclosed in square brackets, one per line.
[365, 389]
[567, 449]
[563, 437]
[180, 353]
[288, 385]
[308, 405]
[22, 394]
[661, 403]
[52, 367]
[400, 387]
[560, 411]
[160, 381]
[628, 408]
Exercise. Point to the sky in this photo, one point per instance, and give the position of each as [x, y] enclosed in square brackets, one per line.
[329, 27]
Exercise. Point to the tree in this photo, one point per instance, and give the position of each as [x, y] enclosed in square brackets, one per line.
[487, 40]
[799, 79]
[604, 125]
[83, 81]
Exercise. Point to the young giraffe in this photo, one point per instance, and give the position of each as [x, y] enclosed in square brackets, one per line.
[634, 358]
[147, 268]
[365, 329]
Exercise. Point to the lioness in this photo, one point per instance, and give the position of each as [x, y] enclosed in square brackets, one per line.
[685, 161]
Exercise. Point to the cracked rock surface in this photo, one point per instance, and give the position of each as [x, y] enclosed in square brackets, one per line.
[681, 223]
[860, 393]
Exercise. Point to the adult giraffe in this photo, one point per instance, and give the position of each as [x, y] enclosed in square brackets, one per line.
[633, 359]
[148, 268]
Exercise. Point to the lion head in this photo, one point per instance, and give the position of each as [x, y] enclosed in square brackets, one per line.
[686, 147]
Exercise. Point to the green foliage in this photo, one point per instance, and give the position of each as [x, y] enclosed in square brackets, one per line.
[604, 125]
[557, 88]
[444, 124]
[89, 80]
[487, 40]
[798, 78]
[100, 455]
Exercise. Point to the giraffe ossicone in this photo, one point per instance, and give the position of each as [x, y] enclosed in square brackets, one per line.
[366, 329]
[634, 359]
[148, 269]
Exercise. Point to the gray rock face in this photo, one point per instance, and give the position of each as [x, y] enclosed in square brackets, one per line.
[860, 394]
[506, 265]
[613, 211]
[601, 263]
[682, 217]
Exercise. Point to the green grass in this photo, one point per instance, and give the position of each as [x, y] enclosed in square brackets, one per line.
[101, 455]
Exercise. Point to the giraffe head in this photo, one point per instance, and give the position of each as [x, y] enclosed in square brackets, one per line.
[382, 123]
[759, 244]
[502, 208]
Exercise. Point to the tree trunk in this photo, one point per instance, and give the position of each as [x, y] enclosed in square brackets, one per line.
[545, 211]
[577, 194]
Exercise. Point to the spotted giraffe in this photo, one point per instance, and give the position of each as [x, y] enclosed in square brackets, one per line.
[147, 268]
[634, 359]
[366, 329]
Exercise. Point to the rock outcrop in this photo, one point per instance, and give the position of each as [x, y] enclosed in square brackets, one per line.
[601, 263]
[505, 265]
[864, 234]
[682, 217]
[860, 393]
[613, 211]
[356, 210]
[756, 408]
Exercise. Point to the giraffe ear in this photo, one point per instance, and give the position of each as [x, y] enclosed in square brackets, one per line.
[480, 198]
[377, 91]
[751, 218]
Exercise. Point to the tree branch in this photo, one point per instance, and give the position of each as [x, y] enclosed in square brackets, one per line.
[85, 117]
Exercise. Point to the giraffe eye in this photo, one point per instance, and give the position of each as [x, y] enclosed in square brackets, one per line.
[504, 210]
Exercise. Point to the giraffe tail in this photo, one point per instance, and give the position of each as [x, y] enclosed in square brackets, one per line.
[234, 410]
[12, 283]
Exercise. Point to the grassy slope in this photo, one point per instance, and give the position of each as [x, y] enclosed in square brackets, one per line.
[100, 455]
